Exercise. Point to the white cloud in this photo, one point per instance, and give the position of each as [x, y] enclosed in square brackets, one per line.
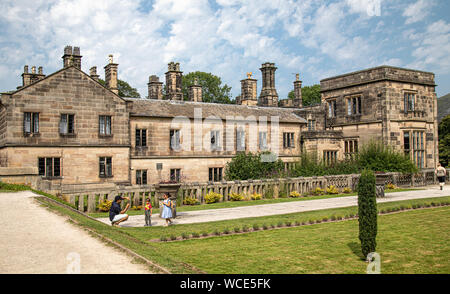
[418, 11]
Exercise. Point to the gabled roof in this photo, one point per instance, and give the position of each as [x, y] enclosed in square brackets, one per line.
[170, 109]
[55, 73]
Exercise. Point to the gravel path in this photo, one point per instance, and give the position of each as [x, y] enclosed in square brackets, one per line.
[35, 240]
[200, 216]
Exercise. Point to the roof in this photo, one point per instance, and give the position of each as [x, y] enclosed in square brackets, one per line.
[170, 108]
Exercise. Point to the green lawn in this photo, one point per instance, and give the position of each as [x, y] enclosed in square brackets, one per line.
[414, 241]
[230, 204]
[409, 242]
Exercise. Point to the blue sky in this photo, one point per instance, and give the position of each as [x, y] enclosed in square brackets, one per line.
[317, 39]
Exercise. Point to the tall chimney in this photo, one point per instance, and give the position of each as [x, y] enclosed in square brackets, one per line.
[173, 82]
[249, 96]
[154, 88]
[72, 57]
[195, 92]
[93, 73]
[298, 101]
[269, 96]
[111, 75]
[29, 78]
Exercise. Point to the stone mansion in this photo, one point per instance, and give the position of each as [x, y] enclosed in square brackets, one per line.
[73, 131]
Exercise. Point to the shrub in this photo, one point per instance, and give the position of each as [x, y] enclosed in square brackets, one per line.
[265, 227]
[245, 166]
[347, 190]
[163, 238]
[184, 236]
[297, 223]
[190, 201]
[134, 207]
[318, 221]
[217, 233]
[173, 237]
[317, 191]
[332, 190]
[236, 197]
[195, 235]
[256, 196]
[212, 197]
[294, 194]
[325, 219]
[205, 234]
[280, 224]
[333, 218]
[104, 205]
[311, 221]
[339, 217]
[390, 186]
[237, 230]
[255, 227]
[288, 224]
[367, 211]
[226, 231]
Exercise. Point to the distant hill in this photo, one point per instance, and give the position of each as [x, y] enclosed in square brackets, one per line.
[443, 107]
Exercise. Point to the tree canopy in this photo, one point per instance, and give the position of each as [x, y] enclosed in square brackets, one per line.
[310, 95]
[212, 88]
[444, 141]
[125, 90]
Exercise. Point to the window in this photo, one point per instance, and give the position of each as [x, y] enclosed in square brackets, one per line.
[332, 108]
[409, 99]
[240, 140]
[288, 140]
[105, 167]
[414, 146]
[329, 157]
[351, 148]
[311, 125]
[215, 174]
[49, 167]
[215, 140]
[175, 139]
[141, 177]
[105, 125]
[354, 105]
[175, 174]
[31, 122]
[263, 140]
[67, 124]
[141, 137]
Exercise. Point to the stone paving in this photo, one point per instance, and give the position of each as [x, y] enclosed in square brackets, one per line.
[199, 216]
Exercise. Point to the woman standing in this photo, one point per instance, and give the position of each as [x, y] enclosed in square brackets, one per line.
[167, 209]
[441, 173]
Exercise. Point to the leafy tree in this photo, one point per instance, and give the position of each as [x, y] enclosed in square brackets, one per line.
[250, 166]
[444, 141]
[212, 88]
[125, 90]
[367, 212]
[310, 95]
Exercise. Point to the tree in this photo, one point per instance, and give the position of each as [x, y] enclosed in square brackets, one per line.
[444, 141]
[250, 166]
[310, 95]
[367, 212]
[212, 88]
[125, 90]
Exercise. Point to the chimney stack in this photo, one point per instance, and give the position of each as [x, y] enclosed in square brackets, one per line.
[173, 82]
[249, 96]
[72, 57]
[269, 96]
[195, 92]
[93, 73]
[154, 88]
[111, 75]
[298, 101]
[29, 78]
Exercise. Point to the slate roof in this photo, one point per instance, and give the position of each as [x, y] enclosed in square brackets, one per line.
[170, 108]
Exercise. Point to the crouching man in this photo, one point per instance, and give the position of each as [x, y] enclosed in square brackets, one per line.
[116, 214]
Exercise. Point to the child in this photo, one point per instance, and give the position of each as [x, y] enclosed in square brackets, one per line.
[148, 213]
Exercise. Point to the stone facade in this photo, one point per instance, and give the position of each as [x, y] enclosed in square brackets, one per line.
[91, 137]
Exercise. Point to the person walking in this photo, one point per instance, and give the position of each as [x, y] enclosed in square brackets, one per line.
[441, 173]
[167, 209]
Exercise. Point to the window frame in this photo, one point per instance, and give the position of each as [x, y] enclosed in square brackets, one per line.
[32, 124]
[175, 134]
[288, 140]
[177, 174]
[141, 138]
[107, 167]
[216, 145]
[141, 177]
[215, 174]
[67, 124]
[49, 167]
[105, 126]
